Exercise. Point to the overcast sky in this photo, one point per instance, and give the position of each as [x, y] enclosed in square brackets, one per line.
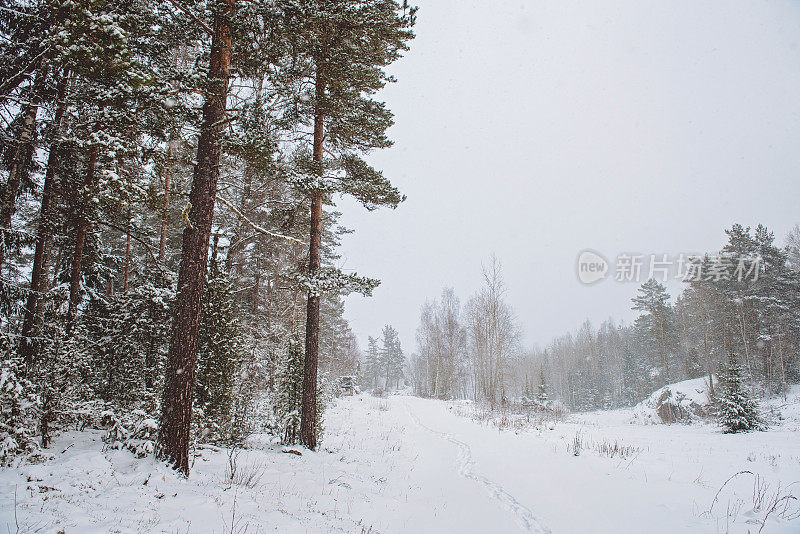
[534, 130]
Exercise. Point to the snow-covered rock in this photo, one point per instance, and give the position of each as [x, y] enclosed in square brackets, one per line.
[681, 402]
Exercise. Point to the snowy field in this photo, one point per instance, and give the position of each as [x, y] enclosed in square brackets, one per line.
[404, 464]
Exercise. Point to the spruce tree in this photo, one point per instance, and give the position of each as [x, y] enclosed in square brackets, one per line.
[19, 405]
[289, 393]
[372, 363]
[738, 410]
[218, 356]
[542, 396]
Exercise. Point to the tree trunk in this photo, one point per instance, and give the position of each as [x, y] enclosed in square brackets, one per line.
[27, 346]
[23, 154]
[162, 243]
[176, 414]
[709, 366]
[783, 366]
[256, 284]
[126, 282]
[82, 228]
[308, 416]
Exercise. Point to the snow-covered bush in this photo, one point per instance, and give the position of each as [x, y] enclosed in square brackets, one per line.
[542, 406]
[18, 413]
[135, 431]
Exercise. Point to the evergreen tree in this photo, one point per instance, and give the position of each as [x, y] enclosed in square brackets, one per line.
[108, 93]
[289, 393]
[18, 408]
[372, 365]
[173, 442]
[542, 396]
[338, 65]
[218, 357]
[738, 411]
[657, 322]
[392, 358]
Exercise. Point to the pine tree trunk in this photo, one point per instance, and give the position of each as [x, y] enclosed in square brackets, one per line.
[127, 279]
[309, 402]
[82, 228]
[176, 415]
[238, 241]
[27, 346]
[23, 154]
[308, 416]
[162, 243]
[256, 283]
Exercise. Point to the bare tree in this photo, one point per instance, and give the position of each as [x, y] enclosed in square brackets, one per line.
[494, 337]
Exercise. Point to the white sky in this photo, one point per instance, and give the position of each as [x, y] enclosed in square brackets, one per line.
[534, 130]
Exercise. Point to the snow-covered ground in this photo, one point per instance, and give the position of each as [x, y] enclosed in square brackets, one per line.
[404, 464]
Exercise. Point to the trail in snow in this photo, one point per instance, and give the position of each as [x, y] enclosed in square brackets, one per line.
[465, 463]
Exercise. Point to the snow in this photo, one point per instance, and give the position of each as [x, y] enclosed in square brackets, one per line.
[405, 464]
[688, 398]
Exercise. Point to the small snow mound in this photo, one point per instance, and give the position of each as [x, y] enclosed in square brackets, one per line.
[681, 402]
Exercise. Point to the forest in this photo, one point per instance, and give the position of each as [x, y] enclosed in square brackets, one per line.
[740, 307]
[321, 266]
[168, 261]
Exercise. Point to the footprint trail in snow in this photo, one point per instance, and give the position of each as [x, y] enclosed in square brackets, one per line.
[465, 463]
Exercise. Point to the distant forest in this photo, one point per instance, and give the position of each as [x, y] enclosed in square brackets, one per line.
[741, 307]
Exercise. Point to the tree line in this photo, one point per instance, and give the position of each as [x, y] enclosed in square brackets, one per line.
[169, 229]
[740, 308]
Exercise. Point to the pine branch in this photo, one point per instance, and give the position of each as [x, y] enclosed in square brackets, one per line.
[193, 16]
[254, 226]
[128, 231]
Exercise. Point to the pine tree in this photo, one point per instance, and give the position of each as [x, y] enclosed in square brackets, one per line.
[114, 89]
[391, 357]
[657, 321]
[738, 411]
[341, 60]
[173, 442]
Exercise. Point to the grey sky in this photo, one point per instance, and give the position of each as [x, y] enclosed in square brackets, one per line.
[533, 130]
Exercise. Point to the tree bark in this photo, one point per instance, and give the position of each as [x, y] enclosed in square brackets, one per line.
[176, 414]
[127, 279]
[23, 154]
[27, 346]
[82, 228]
[256, 284]
[162, 243]
[308, 415]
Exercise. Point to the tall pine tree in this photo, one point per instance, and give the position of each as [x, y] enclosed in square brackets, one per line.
[342, 48]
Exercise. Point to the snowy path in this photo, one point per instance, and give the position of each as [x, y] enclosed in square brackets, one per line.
[666, 485]
[465, 468]
[409, 465]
